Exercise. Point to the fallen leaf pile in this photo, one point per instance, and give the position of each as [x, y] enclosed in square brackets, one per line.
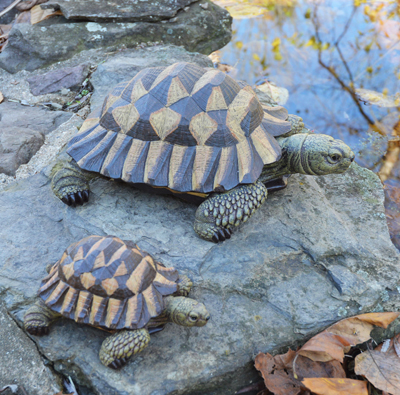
[317, 367]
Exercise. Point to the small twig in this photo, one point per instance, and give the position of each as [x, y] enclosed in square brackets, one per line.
[22, 390]
[10, 7]
[294, 367]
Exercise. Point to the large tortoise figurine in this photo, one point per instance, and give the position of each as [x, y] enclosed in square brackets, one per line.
[111, 284]
[199, 134]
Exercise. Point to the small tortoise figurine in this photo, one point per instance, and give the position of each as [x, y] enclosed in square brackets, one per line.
[199, 134]
[111, 284]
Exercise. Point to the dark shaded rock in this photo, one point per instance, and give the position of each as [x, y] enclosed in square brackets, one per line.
[22, 131]
[121, 11]
[125, 65]
[54, 81]
[31, 47]
[17, 146]
[10, 15]
[21, 363]
[267, 287]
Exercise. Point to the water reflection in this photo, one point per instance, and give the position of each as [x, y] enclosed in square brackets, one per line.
[335, 58]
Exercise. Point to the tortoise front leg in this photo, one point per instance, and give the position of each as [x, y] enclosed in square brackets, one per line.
[38, 319]
[185, 285]
[219, 215]
[118, 348]
[70, 183]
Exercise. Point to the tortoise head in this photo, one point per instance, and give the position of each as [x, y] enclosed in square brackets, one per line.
[318, 154]
[187, 312]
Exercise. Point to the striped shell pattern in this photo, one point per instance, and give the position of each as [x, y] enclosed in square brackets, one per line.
[103, 282]
[182, 127]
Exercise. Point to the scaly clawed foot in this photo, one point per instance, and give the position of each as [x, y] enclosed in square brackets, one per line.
[76, 198]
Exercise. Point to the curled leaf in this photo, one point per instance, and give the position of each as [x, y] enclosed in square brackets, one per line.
[381, 369]
[336, 340]
[326, 386]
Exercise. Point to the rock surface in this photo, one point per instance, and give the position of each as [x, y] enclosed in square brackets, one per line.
[10, 15]
[314, 253]
[17, 146]
[22, 131]
[123, 11]
[21, 363]
[31, 47]
[54, 81]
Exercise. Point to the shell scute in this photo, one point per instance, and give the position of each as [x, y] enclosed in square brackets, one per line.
[182, 105]
[109, 284]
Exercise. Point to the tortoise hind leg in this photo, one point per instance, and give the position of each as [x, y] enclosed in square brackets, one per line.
[118, 348]
[38, 319]
[219, 215]
[70, 183]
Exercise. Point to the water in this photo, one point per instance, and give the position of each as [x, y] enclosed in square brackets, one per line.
[323, 52]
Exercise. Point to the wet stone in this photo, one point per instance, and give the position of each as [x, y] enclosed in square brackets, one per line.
[54, 81]
[122, 11]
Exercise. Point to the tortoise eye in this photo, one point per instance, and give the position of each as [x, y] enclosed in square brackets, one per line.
[335, 157]
[193, 317]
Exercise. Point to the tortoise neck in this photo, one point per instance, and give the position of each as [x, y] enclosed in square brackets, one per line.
[290, 162]
[173, 308]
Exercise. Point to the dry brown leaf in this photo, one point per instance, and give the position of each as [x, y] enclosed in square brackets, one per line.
[336, 340]
[283, 373]
[242, 9]
[276, 379]
[325, 386]
[1, 97]
[5, 29]
[278, 94]
[28, 4]
[38, 14]
[23, 17]
[381, 369]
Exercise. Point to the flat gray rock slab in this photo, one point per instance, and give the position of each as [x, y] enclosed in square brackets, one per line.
[36, 118]
[56, 39]
[313, 254]
[54, 81]
[17, 146]
[125, 65]
[121, 11]
[22, 132]
[20, 362]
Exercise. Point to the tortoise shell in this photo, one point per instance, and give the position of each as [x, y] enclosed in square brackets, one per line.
[182, 127]
[105, 282]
